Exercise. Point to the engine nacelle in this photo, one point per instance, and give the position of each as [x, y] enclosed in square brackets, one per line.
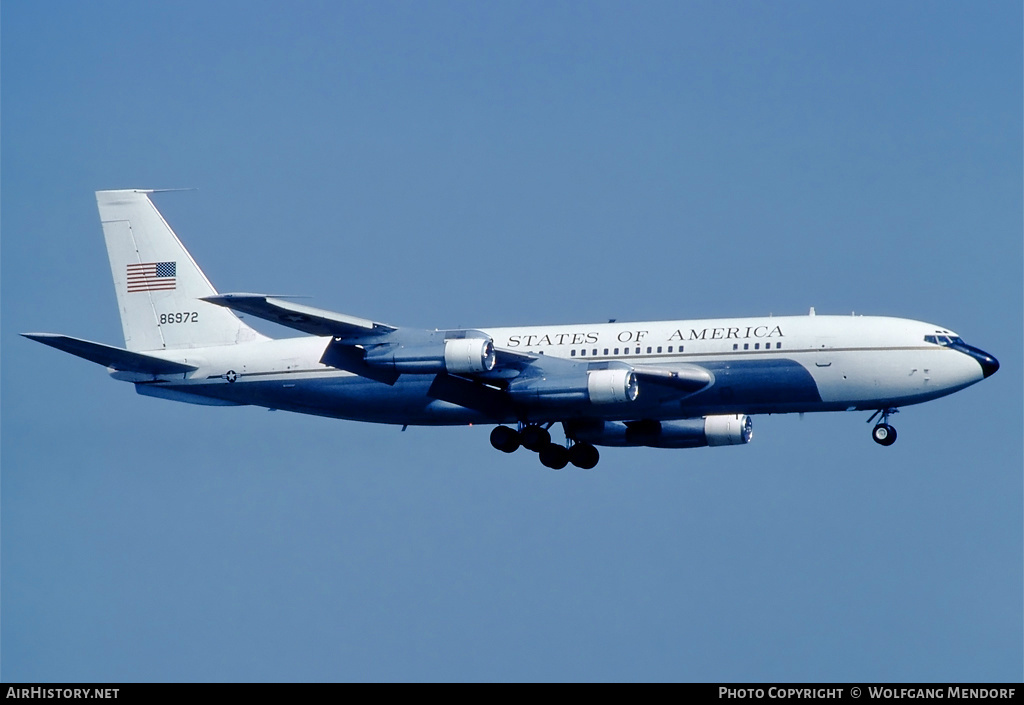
[469, 355]
[613, 386]
[456, 356]
[733, 429]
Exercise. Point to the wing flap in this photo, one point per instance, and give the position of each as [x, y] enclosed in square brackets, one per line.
[472, 395]
[109, 356]
[352, 359]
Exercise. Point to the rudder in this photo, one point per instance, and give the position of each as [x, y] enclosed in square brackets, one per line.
[158, 284]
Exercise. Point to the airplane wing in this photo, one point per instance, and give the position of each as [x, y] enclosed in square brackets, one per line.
[109, 356]
[529, 380]
[681, 377]
[468, 370]
[314, 321]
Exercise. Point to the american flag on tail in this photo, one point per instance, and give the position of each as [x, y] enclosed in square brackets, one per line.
[152, 276]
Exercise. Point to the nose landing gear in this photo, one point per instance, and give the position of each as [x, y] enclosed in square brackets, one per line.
[883, 434]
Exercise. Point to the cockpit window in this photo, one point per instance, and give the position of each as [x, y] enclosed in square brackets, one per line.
[944, 340]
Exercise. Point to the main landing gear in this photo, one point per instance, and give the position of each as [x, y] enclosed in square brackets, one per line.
[883, 434]
[538, 439]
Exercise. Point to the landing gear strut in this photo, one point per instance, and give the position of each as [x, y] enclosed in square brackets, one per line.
[538, 439]
[883, 434]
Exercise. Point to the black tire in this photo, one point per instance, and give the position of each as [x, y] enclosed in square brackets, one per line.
[505, 439]
[535, 438]
[554, 456]
[584, 455]
[884, 434]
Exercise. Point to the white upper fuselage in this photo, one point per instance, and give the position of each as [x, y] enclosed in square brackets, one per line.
[760, 365]
[853, 359]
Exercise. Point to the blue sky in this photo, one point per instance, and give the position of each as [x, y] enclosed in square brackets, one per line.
[481, 164]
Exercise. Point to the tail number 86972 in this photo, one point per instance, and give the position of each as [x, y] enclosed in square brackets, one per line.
[181, 317]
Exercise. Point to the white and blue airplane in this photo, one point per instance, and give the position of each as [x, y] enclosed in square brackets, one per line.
[664, 384]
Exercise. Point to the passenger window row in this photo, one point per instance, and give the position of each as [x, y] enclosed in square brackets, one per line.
[651, 350]
[757, 346]
[659, 350]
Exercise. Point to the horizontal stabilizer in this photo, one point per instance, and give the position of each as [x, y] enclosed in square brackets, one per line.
[307, 319]
[109, 356]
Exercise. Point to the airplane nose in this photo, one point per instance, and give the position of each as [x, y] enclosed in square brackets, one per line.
[989, 364]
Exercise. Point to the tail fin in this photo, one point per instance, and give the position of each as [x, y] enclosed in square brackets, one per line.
[158, 284]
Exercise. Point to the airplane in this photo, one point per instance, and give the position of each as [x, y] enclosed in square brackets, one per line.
[662, 384]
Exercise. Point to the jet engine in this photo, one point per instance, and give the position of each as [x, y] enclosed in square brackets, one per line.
[732, 429]
[469, 355]
[612, 386]
[457, 356]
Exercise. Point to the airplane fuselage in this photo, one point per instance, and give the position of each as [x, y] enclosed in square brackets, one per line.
[760, 366]
[662, 384]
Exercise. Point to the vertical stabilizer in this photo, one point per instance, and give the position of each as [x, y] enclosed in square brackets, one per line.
[158, 284]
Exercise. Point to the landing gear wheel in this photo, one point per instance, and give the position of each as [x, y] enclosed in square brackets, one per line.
[584, 455]
[554, 456]
[505, 439]
[535, 438]
[884, 434]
